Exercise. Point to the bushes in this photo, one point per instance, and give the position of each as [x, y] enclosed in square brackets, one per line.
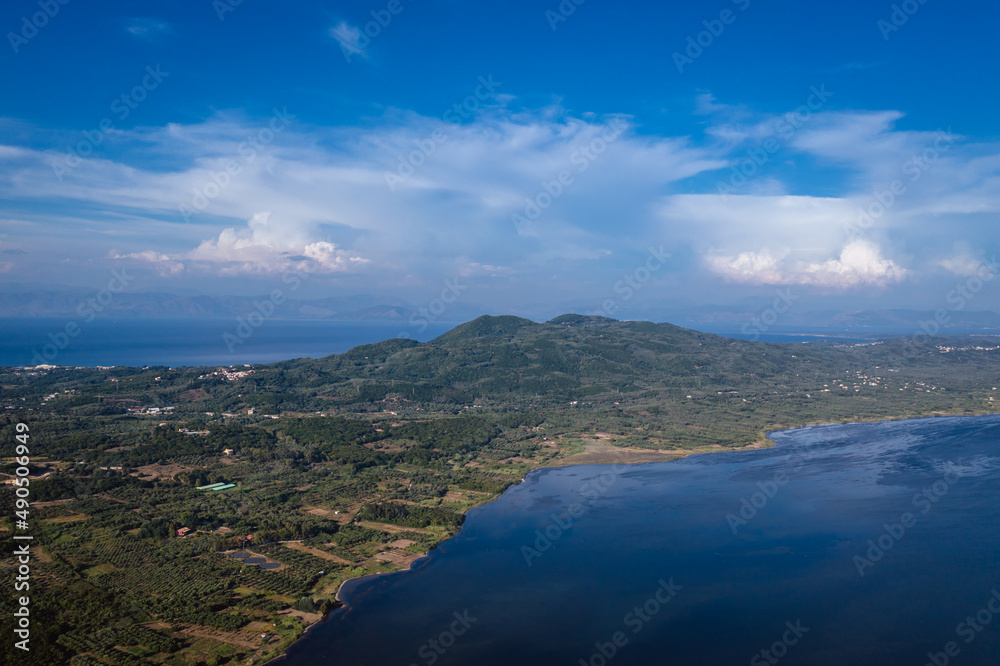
[158, 528]
[410, 516]
[306, 605]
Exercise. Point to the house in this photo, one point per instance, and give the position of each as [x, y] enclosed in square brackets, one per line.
[184, 531]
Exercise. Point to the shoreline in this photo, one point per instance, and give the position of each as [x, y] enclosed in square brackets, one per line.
[767, 444]
[343, 607]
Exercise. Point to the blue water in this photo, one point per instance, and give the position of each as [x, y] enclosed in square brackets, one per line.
[647, 529]
[180, 342]
[193, 342]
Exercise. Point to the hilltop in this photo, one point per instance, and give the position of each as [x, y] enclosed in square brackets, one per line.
[144, 480]
[654, 384]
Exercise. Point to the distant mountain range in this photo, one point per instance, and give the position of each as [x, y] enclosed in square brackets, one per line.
[854, 321]
[60, 302]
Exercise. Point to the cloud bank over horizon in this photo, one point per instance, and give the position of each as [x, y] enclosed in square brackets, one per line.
[529, 191]
[525, 193]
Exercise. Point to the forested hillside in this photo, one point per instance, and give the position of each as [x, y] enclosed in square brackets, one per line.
[359, 462]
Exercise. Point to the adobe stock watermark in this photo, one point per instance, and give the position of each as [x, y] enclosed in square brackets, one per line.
[968, 629]
[582, 158]
[264, 309]
[635, 620]
[757, 501]
[632, 282]
[958, 298]
[435, 308]
[223, 7]
[358, 40]
[750, 507]
[778, 649]
[770, 316]
[424, 148]
[884, 198]
[899, 17]
[30, 26]
[87, 311]
[248, 149]
[433, 649]
[591, 491]
[122, 107]
[785, 127]
[714, 28]
[893, 533]
[562, 12]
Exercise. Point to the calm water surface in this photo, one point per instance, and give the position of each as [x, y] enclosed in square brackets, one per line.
[818, 556]
[187, 342]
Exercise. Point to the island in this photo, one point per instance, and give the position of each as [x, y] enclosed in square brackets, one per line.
[211, 515]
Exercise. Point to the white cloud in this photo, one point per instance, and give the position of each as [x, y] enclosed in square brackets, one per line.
[148, 28]
[330, 258]
[763, 267]
[331, 204]
[162, 263]
[456, 208]
[735, 224]
[349, 38]
[962, 262]
[859, 263]
[474, 268]
[264, 247]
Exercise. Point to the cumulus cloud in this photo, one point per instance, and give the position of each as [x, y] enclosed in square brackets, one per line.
[449, 211]
[264, 247]
[963, 262]
[763, 267]
[330, 258]
[456, 207]
[859, 263]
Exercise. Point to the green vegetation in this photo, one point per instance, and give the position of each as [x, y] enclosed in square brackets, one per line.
[401, 514]
[352, 464]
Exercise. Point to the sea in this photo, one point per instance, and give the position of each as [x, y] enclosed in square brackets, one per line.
[865, 543]
[189, 342]
[202, 342]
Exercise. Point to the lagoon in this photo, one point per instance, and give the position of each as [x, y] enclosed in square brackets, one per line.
[859, 543]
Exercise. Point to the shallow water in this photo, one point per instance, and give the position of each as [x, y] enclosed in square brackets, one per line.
[808, 556]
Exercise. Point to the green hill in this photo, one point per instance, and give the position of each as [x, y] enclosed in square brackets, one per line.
[335, 456]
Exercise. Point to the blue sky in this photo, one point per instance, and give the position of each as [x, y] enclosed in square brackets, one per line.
[215, 147]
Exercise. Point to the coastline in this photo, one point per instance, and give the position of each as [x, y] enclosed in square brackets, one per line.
[766, 443]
